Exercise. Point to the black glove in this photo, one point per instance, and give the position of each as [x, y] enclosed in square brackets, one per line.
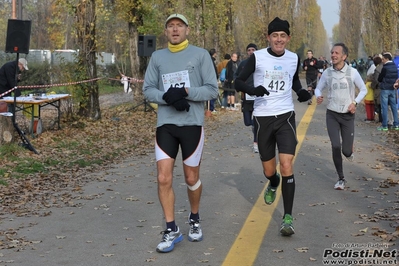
[260, 91]
[174, 94]
[303, 95]
[181, 105]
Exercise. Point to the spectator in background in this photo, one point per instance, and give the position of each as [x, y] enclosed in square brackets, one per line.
[8, 74]
[125, 80]
[396, 61]
[220, 66]
[370, 61]
[322, 65]
[223, 63]
[247, 101]
[354, 63]
[310, 65]
[369, 100]
[376, 86]
[370, 69]
[387, 79]
[213, 54]
[231, 67]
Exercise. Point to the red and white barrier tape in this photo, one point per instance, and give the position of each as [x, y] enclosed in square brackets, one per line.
[7, 92]
[135, 80]
[63, 84]
[58, 85]
[130, 79]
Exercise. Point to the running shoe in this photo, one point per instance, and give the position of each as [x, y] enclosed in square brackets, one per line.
[169, 239]
[287, 228]
[351, 158]
[382, 128]
[340, 185]
[256, 149]
[270, 192]
[195, 232]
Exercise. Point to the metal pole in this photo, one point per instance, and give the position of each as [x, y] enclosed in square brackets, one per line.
[15, 92]
[19, 9]
[14, 9]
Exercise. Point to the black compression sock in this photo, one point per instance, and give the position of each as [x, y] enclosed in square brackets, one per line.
[274, 180]
[288, 191]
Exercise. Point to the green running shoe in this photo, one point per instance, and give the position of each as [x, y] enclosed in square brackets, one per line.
[287, 228]
[270, 192]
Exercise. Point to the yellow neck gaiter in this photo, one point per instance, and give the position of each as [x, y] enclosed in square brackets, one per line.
[178, 47]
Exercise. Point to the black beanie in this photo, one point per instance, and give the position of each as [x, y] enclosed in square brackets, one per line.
[252, 45]
[278, 24]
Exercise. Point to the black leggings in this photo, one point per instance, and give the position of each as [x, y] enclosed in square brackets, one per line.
[249, 121]
[340, 124]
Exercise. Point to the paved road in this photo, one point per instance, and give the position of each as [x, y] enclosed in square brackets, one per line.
[118, 220]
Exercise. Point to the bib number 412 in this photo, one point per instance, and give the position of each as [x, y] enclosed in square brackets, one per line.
[276, 85]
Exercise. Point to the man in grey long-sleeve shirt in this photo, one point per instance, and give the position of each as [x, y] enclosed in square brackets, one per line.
[179, 79]
[341, 82]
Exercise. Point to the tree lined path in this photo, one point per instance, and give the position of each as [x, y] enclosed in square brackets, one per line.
[117, 219]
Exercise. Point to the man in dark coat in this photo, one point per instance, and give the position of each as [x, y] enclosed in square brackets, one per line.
[311, 66]
[7, 75]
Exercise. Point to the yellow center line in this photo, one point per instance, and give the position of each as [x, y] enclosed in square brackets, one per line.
[247, 244]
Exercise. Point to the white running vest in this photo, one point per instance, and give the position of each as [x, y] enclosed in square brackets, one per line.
[342, 89]
[276, 75]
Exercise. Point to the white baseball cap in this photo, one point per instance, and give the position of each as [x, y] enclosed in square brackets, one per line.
[24, 63]
[179, 16]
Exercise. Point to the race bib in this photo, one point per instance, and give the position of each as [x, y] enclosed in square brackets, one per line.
[341, 93]
[249, 97]
[176, 80]
[276, 81]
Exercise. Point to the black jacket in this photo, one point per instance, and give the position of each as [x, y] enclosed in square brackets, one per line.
[312, 70]
[231, 68]
[7, 77]
[388, 76]
[247, 105]
[214, 63]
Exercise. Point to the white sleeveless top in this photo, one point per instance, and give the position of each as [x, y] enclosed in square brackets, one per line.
[342, 92]
[276, 75]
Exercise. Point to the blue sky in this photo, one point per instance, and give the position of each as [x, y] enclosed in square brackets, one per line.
[329, 14]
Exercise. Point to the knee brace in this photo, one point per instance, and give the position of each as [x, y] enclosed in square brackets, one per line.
[195, 187]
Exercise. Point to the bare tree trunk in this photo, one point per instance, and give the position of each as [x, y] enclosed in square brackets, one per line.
[7, 130]
[203, 37]
[89, 105]
[135, 61]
